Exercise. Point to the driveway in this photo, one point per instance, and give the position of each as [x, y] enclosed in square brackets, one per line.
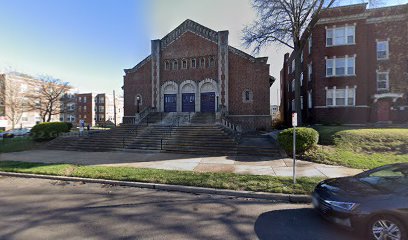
[44, 209]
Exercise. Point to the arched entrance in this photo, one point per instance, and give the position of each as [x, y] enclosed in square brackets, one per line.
[188, 96]
[208, 92]
[169, 98]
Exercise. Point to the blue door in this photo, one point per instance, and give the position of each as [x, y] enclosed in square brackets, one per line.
[170, 102]
[188, 102]
[208, 102]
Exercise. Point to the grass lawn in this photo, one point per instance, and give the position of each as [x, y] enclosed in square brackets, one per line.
[17, 144]
[360, 148]
[305, 185]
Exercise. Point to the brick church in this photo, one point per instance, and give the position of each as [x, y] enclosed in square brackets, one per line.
[193, 69]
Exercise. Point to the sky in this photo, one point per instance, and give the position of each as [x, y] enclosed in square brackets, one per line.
[88, 43]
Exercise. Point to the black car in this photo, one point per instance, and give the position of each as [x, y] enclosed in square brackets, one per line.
[374, 202]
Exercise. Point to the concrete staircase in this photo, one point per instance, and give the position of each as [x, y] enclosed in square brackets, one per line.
[179, 133]
[107, 140]
[202, 139]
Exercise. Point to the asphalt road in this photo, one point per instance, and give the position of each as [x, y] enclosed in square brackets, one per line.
[44, 209]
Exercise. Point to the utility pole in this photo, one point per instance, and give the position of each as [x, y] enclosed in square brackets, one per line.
[114, 107]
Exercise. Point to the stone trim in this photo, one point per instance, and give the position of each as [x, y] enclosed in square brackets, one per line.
[189, 25]
[242, 54]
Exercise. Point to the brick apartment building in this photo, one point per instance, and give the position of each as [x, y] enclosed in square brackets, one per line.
[354, 67]
[193, 69]
[98, 109]
[14, 90]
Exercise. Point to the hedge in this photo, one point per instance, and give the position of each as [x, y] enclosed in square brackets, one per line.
[48, 130]
[69, 125]
[306, 138]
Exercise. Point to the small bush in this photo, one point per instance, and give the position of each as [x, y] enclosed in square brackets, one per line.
[306, 138]
[49, 130]
[69, 125]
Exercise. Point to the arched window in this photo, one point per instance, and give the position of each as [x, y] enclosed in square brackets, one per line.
[247, 96]
[166, 65]
[193, 63]
[212, 61]
[202, 62]
[175, 64]
[184, 64]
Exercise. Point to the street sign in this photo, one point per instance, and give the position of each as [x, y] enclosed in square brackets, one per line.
[294, 119]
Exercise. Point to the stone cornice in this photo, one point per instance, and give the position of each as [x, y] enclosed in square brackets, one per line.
[241, 53]
[189, 25]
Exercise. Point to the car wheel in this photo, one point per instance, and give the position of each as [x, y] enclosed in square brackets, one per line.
[386, 227]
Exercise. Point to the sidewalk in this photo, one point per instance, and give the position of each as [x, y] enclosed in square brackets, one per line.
[235, 164]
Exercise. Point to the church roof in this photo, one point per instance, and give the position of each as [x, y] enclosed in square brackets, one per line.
[196, 28]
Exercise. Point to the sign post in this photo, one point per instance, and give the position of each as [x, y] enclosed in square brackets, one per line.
[294, 124]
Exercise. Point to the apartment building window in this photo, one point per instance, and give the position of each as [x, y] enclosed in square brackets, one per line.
[293, 85]
[301, 102]
[293, 105]
[79, 99]
[288, 87]
[340, 36]
[301, 79]
[340, 97]
[293, 65]
[193, 63]
[309, 71]
[382, 50]
[382, 80]
[301, 57]
[309, 99]
[84, 99]
[101, 108]
[340, 66]
[166, 65]
[310, 44]
[84, 108]
[101, 100]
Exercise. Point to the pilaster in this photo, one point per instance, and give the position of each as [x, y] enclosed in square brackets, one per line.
[223, 67]
[155, 44]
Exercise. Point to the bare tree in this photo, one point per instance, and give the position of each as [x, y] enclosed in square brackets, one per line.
[287, 22]
[12, 99]
[47, 96]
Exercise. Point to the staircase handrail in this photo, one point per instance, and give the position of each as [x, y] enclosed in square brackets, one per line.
[234, 128]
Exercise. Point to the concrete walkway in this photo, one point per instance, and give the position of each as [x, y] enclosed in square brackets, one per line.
[256, 165]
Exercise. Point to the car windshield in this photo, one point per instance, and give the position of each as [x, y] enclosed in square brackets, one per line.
[390, 178]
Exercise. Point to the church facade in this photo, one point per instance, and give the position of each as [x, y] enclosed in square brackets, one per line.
[193, 69]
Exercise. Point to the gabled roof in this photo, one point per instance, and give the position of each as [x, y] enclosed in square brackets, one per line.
[198, 29]
[189, 25]
[140, 64]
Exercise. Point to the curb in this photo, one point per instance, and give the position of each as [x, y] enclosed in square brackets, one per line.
[291, 198]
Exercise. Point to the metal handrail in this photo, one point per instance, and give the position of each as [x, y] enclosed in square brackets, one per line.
[234, 128]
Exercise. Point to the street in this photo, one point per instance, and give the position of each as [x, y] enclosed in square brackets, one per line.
[44, 209]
